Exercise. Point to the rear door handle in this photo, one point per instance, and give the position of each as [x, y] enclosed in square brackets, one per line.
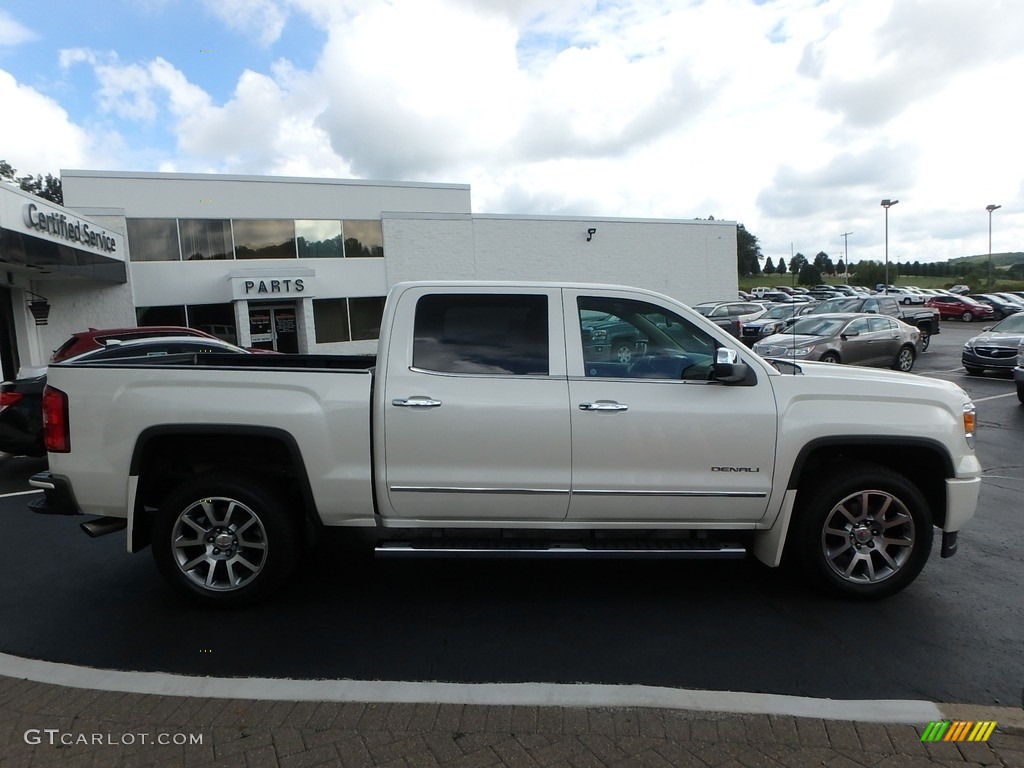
[416, 401]
[604, 405]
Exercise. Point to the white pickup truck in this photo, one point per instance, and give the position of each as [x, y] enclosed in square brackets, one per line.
[494, 422]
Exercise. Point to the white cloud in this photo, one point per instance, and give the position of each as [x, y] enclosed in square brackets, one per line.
[12, 32]
[45, 140]
[263, 20]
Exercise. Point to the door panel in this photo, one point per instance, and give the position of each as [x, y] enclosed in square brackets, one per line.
[476, 421]
[663, 445]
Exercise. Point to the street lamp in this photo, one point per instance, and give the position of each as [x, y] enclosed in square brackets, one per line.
[990, 207]
[887, 204]
[846, 256]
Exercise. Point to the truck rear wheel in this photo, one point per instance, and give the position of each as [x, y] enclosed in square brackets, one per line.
[864, 533]
[224, 538]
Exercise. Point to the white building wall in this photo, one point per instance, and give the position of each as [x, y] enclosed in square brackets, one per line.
[692, 261]
[210, 196]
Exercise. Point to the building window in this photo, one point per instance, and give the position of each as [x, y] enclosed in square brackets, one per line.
[331, 319]
[160, 316]
[363, 239]
[203, 239]
[490, 334]
[365, 316]
[318, 239]
[153, 240]
[215, 319]
[264, 238]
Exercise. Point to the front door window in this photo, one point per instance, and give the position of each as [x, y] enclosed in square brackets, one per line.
[274, 328]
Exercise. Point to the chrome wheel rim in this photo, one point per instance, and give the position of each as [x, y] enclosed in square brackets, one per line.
[868, 537]
[624, 354]
[219, 544]
[906, 360]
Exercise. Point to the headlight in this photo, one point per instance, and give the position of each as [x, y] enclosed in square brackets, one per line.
[599, 334]
[800, 351]
[968, 345]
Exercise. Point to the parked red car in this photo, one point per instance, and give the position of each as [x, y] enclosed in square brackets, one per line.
[94, 338]
[960, 307]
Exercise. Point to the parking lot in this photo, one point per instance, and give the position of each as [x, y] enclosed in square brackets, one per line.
[953, 636]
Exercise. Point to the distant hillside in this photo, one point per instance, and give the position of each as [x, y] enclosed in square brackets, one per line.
[998, 259]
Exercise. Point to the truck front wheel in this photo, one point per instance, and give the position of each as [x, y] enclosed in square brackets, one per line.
[926, 338]
[864, 533]
[224, 539]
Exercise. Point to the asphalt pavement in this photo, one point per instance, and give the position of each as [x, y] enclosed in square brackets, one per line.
[530, 664]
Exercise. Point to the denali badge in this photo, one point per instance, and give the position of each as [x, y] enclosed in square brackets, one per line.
[735, 469]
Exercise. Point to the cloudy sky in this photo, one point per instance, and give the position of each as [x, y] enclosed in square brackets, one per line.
[794, 117]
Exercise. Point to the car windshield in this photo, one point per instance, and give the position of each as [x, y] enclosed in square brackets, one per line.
[817, 326]
[779, 313]
[1012, 324]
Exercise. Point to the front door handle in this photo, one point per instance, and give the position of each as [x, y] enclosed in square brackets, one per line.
[416, 401]
[604, 405]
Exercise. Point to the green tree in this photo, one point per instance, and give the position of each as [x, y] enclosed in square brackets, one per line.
[797, 263]
[781, 269]
[47, 187]
[769, 266]
[841, 267]
[809, 275]
[823, 262]
[748, 252]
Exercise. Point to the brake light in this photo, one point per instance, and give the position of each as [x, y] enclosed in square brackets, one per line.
[9, 398]
[56, 434]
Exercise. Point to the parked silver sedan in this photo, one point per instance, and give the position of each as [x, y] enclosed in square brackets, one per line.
[856, 339]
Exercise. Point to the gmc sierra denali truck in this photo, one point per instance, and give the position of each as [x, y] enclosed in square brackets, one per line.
[486, 425]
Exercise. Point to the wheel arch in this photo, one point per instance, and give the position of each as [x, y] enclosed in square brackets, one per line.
[164, 455]
[924, 462]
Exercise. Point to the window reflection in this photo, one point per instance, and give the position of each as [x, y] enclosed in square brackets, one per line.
[264, 238]
[468, 333]
[363, 239]
[318, 239]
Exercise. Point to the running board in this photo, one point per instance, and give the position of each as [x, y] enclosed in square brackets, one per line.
[519, 549]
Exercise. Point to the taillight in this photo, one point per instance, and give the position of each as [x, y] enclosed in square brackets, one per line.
[56, 434]
[9, 398]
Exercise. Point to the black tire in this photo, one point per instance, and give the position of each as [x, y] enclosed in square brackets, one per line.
[906, 300]
[972, 371]
[1020, 393]
[904, 359]
[926, 339]
[225, 538]
[997, 315]
[857, 550]
[830, 357]
[967, 317]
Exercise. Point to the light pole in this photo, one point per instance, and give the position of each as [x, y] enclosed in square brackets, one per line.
[887, 204]
[990, 207]
[846, 256]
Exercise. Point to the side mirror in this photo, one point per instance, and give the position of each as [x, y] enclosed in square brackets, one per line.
[727, 367]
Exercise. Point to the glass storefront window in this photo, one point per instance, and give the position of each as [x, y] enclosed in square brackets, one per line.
[331, 319]
[264, 238]
[205, 239]
[318, 239]
[153, 240]
[174, 315]
[215, 319]
[363, 239]
[365, 316]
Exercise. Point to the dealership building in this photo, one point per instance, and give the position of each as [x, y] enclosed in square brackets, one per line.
[300, 264]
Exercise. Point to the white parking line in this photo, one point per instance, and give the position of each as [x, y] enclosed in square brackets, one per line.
[993, 397]
[19, 493]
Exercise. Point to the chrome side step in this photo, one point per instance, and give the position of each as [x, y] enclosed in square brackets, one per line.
[667, 549]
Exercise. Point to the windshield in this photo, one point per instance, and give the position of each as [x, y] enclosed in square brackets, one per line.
[779, 313]
[817, 326]
[837, 305]
[1012, 324]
